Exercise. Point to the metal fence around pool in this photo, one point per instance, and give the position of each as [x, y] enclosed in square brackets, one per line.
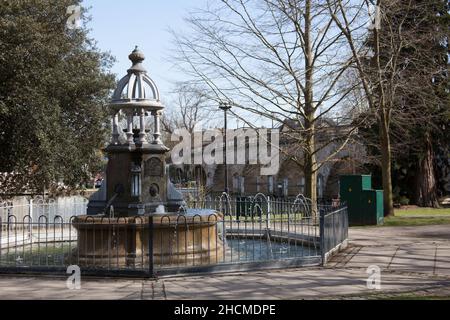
[256, 234]
[334, 231]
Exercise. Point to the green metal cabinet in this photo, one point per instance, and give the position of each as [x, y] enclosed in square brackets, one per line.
[372, 205]
[354, 184]
[380, 207]
[365, 206]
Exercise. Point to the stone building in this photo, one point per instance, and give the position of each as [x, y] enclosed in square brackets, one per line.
[246, 180]
[289, 181]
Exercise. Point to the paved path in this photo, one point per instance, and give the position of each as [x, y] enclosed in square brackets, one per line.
[424, 250]
[414, 260]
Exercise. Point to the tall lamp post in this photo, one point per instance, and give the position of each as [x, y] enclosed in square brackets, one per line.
[225, 107]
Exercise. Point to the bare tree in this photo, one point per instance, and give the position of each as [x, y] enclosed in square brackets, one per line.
[276, 60]
[190, 107]
[392, 68]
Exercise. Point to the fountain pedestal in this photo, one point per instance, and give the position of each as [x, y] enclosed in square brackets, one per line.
[124, 242]
[137, 186]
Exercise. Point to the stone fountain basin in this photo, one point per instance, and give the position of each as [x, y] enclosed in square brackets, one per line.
[195, 237]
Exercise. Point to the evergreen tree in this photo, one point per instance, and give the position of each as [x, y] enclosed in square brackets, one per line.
[424, 102]
[413, 42]
[54, 85]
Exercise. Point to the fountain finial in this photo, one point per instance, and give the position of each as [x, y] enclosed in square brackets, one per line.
[137, 57]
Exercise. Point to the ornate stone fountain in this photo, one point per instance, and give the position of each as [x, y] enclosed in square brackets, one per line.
[116, 230]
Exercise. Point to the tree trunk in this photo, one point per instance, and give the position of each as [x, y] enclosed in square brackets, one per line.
[426, 186]
[386, 161]
[309, 110]
[311, 178]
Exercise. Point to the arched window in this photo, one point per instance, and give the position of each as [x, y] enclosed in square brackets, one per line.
[235, 182]
[320, 186]
[270, 184]
[302, 185]
[286, 187]
[241, 185]
[135, 180]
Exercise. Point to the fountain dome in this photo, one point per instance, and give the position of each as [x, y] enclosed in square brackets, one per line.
[137, 96]
[136, 89]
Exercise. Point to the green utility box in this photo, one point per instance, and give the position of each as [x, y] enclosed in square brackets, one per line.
[365, 206]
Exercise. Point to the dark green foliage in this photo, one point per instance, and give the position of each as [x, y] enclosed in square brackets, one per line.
[54, 85]
[419, 125]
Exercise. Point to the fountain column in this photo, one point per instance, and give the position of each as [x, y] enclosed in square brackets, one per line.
[142, 127]
[157, 133]
[130, 139]
[115, 135]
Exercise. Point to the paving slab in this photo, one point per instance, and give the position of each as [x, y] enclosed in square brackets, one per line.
[414, 260]
[411, 260]
[368, 256]
[443, 261]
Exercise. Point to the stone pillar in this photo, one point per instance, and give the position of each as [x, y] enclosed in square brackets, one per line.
[157, 133]
[142, 127]
[130, 139]
[115, 135]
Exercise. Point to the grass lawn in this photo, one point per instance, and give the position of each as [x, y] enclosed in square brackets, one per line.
[422, 212]
[412, 297]
[417, 297]
[418, 217]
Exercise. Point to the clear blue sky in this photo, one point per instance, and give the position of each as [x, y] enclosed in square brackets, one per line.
[119, 26]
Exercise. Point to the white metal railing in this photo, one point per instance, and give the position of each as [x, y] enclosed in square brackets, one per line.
[35, 208]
